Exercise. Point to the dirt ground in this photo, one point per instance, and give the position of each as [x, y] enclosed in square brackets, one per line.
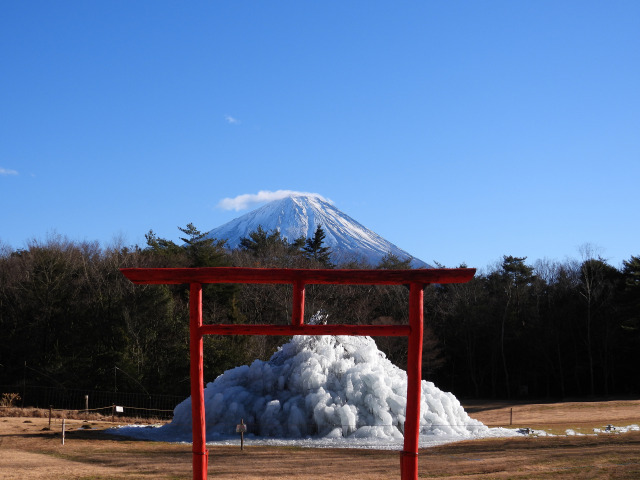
[30, 450]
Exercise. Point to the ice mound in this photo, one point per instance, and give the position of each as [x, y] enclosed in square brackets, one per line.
[327, 387]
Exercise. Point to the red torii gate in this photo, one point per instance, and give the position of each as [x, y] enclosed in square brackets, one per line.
[195, 277]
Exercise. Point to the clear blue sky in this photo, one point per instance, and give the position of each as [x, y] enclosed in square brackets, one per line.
[459, 130]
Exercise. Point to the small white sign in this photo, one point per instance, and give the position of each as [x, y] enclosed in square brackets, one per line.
[119, 409]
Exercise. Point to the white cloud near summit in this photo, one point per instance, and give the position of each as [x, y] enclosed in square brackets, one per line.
[5, 171]
[244, 201]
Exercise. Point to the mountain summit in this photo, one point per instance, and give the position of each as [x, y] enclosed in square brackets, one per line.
[298, 216]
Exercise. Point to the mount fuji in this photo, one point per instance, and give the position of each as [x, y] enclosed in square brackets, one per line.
[299, 215]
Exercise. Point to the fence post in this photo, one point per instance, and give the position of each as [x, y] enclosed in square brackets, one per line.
[86, 404]
[242, 429]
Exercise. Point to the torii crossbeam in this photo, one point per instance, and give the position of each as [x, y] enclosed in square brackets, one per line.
[299, 278]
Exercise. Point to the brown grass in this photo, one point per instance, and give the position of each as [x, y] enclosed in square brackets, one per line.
[58, 414]
[28, 450]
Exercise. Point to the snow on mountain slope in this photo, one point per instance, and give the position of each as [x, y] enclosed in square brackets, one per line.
[299, 215]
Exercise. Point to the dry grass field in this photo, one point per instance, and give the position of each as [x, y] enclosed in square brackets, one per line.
[29, 450]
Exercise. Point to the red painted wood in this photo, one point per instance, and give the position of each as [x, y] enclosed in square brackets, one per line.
[370, 330]
[409, 456]
[200, 453]
[288, 275]
[297, 311]
[299, 278]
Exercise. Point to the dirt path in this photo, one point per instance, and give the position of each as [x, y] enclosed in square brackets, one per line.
[28, 450]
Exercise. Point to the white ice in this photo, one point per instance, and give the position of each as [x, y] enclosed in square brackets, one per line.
[338, 391]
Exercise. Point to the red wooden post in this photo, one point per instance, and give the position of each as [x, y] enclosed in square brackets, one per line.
[200, 453]
[297, 310]
[409, 458]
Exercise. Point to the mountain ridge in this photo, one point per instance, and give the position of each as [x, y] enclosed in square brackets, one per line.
[296, 216]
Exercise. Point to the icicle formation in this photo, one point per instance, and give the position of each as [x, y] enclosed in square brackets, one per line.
[328, 387]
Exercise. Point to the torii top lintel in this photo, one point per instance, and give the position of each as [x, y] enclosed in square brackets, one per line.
[291, 276]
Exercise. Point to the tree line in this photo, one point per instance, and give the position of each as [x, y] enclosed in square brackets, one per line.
[70, 319]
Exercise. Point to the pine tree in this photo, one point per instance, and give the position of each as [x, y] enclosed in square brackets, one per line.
[629, 328]
[393, 262]
[315, 250]
[202, 251]
[261, 243]
[162, 246]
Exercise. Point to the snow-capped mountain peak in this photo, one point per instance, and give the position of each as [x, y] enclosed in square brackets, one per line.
[299, 215]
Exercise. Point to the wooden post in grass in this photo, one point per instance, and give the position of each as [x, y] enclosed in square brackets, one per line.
[241, 428]
[63, 431]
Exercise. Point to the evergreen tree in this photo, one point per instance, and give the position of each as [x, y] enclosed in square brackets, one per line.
[393, 262]
[298, 244]
[261, 243]
[203, 251]
[631, 293]
[513, 284]
[162, 247]
[315, 250]
[629, 334]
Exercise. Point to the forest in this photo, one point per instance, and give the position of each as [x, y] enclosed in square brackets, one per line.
[550, 329]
